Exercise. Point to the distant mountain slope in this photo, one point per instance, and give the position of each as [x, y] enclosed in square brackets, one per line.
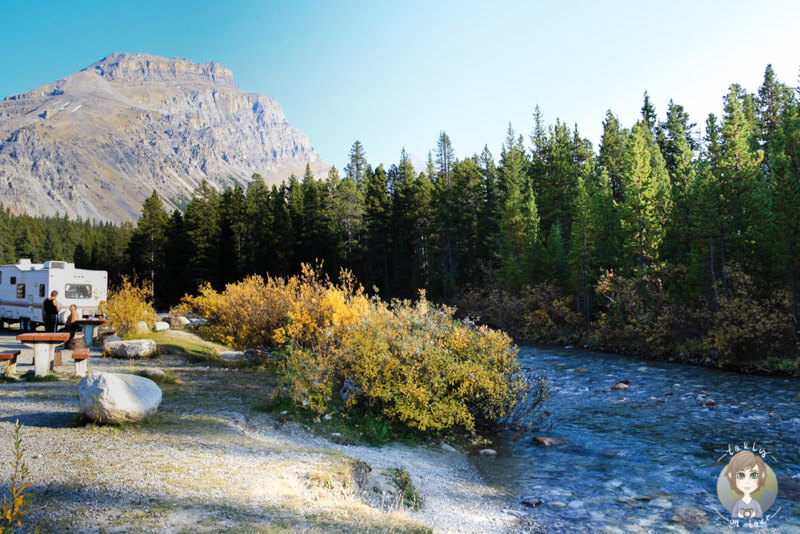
[96, 143]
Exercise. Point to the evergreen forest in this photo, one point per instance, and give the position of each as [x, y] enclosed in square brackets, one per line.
[669, 241]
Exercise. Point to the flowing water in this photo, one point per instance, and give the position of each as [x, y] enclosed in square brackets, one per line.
[647, 459]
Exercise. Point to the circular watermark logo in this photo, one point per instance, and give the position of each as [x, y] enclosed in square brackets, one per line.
[747, 487]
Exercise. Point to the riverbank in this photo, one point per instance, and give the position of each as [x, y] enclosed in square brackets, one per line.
[209, 462]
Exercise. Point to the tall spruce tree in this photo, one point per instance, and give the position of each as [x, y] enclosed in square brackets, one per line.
[146, 248]
[647, 197]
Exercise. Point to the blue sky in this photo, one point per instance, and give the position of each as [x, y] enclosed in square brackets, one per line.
[395, 74]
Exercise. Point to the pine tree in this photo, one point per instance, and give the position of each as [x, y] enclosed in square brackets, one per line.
[356, 170]
[258, 216]
[201, 221]
[647, 198]
[147, 246]
[377, 220]
[743, 210]
[677, 145]
[519, 224]
[611, 157]
[233, 233]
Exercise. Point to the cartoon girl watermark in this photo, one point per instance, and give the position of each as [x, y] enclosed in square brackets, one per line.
[747, 487]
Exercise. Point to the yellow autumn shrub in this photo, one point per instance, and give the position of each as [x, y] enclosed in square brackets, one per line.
[409, 363]
[247, 313]
[433, 372]
[128, 304]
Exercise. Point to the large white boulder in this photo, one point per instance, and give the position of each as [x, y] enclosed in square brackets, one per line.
[160, 326]
[133, 348]
[118, 398]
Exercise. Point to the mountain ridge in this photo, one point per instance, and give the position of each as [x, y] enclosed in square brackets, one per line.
[95, 143]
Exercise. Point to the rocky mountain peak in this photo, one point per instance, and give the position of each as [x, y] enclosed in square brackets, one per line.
[133, 68]
[96, 143]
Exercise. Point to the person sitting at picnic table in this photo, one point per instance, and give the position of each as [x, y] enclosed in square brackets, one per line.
[50, 309]
[71, 326]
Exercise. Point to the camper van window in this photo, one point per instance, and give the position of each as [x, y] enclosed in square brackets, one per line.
[20, 291]
[41, 290]
[13, 280]
[78, 291]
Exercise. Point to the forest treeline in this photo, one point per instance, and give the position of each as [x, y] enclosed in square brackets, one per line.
[663, 242]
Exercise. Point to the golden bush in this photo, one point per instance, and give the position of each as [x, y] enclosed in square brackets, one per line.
[127, 305]
[411, 363]
[247, 313]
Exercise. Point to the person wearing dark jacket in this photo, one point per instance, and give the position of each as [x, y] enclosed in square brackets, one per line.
[50, 309]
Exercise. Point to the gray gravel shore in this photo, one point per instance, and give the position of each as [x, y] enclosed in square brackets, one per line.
[210, 462]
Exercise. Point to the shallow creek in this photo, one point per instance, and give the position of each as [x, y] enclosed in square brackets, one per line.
[647, 459]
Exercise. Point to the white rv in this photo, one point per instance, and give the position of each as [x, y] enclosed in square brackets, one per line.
[25, 286]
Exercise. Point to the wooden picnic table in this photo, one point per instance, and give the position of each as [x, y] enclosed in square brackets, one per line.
[88, 328]
[44, 348]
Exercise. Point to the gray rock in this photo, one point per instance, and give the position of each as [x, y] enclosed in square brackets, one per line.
[619, 386]
[531, 500]
[118, 398]
[233, 356]
[177, 321]
[547, 441]
[134, 348]
[160, 326]
[448, 448]
[349, 388]
[488, 452]
[690, 516]
[709, 402]
[661, 503]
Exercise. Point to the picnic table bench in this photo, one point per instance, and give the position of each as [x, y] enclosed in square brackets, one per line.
[10, 356]
[81, 358]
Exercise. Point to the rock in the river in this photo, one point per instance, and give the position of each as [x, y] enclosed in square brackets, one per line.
[531, 500]
[690, 516]
[547, 441]
[709, 402]
[448, 448]
[661, 503]
[135, 348]
[160, 326]
[619, 385]
[141, 328]
[118, 398]
[488, 452]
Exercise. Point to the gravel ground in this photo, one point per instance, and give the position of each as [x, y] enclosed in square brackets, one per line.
[210, 462]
